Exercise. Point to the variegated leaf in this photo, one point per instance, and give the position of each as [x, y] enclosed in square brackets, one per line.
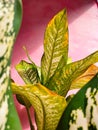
[10, 19]
[48, 106]
[62, 79]
[34, 100]
[55, 46]
[28, 72]
[85, 77]
[82, 111]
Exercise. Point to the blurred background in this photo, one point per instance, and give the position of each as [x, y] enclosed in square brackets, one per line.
[83, 33]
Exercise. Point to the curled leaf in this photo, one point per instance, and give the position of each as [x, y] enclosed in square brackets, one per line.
[28, 72]
[48, 106]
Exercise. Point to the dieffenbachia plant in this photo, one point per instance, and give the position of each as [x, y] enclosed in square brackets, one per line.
[10, 20]
[46, 86]
[82, 111]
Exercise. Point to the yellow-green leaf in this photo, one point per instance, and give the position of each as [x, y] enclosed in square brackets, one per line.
[28, 72]
[62, 79]
[85, 77]
[48, 106]
[55, 46]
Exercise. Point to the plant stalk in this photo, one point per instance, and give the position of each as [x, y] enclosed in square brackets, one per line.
[29, 118]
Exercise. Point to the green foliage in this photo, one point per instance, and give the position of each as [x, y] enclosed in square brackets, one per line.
[57, 75]
[28, 72]
[10, 20]
[46, 86]
[63, 78]
[47, 104]
[82, 110]
[85, 77]
[55, 46]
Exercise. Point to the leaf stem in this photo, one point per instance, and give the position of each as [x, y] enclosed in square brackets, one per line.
[29, 58]
[29, 117]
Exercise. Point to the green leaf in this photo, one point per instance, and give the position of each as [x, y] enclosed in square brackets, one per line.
[47, 104]
[10, 20]
[55, 46]
[85, 77]
[28, 72]
[61, 81]
[82, 111]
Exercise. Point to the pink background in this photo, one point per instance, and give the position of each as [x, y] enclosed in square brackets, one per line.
[83, 33]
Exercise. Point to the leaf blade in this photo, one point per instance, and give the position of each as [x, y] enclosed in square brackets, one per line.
[62, 79]
[84, 78]
[34, 100]
[83, 106]
[49, 104]
[28, 72]
[8, 32]
[55, 45]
